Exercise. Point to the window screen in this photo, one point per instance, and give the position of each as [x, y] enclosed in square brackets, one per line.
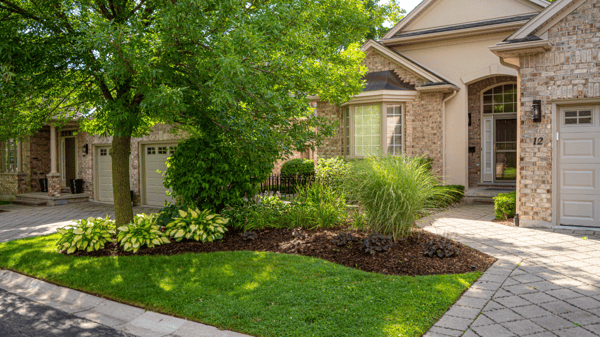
[367, 130]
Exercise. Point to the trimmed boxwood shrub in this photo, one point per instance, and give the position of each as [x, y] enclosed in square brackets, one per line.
[505, 205]
[298, 166]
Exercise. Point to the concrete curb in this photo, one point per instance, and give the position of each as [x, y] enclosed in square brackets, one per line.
[116, 315]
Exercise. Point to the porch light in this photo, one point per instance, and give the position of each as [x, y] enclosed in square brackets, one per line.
[536, 113]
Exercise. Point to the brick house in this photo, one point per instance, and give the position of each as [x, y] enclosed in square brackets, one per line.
[458, 81]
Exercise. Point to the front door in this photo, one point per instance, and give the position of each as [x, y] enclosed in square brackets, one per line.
[68, 160]
[499, 153]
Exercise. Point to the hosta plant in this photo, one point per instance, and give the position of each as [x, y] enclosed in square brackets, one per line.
[197, 225]
[87, 234]
[143, 231]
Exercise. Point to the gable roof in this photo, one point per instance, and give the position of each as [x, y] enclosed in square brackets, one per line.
[405, 62]
[424, 5]
[547, 18]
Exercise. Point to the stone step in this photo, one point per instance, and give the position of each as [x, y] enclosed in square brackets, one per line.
[30, 202]
[479, 200]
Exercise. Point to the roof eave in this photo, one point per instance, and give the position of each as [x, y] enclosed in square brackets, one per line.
[442, 88]
[505, 50]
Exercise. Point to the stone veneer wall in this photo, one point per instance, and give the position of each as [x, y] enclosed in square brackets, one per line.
[423, 117]
[570, 70]
[474, 106]
[39, 152]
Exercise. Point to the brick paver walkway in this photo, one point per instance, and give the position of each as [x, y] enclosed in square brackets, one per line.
[546, 281]
[22, 221]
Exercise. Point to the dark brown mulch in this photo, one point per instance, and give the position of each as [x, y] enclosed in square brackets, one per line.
[508, 222]
[404, 258]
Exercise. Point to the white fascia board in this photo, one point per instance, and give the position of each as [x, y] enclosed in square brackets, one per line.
[401, 60]
[379, 96]
[559, 8]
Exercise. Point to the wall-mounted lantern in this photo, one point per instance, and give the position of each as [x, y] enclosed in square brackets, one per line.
[536, 112]
[85, 149]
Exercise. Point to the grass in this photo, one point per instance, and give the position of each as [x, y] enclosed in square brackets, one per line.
[262, 294]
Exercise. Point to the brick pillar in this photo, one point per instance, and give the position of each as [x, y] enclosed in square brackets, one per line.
[53, 184]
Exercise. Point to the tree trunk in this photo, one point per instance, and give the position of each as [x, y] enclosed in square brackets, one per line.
[121, 149]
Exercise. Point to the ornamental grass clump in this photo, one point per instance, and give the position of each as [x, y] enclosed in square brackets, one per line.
[87, 234]
[143, 231]
[197, 225]
[393, 190]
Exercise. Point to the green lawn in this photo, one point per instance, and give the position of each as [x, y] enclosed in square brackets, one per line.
[262, 294]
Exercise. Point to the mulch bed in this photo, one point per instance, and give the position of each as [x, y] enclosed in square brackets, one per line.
[508, 222]
[406, 257]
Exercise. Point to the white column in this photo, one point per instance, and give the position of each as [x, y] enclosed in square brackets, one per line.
[53, 159]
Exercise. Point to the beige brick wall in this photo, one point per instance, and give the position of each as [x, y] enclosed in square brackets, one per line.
[423, 123]
[570, 70]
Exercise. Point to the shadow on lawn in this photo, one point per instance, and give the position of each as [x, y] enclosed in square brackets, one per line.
[259, 293]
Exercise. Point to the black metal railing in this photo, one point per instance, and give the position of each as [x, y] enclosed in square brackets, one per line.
[285, 184]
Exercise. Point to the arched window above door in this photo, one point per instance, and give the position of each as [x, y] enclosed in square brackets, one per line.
[500, 99]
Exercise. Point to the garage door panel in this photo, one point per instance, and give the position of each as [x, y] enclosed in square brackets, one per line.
[579, 167]
[104, 172]
[155, 158]
[579, 148]
[580, 210]
[580, 179]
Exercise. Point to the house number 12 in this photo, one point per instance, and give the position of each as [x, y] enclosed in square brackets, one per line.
[538, 140]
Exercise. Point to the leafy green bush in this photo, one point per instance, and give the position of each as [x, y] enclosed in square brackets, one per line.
[168, 213]
[211, 171]
[198, 225]
[87, 234]
[144, 230]
[301, 167]
[426, 161]
[317, 205]
[332, 170]
[505, 205]
[393, 190]
[260, 212]
[449, 194]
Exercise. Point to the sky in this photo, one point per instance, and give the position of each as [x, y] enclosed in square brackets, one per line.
[409, 4]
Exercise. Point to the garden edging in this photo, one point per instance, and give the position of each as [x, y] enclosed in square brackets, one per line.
[116, 315]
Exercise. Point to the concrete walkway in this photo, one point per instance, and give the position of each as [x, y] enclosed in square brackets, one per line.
[545, 282]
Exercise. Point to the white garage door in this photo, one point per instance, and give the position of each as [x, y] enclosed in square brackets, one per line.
[104, 171]
[579, 166]
[155, 158]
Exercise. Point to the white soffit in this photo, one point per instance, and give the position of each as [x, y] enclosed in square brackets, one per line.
[383, 96]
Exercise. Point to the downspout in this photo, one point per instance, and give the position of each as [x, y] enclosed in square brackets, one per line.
[444, 133]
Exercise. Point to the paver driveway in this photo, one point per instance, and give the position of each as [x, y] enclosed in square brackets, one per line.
[22, 221]
[545, 283]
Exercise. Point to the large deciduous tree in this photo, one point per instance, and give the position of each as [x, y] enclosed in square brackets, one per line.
[244, 68]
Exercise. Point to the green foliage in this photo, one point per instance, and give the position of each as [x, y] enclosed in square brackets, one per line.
[168, 213]
[426, 161]
[87, 234]
[446, 195]
[392, 190]
[322, 298]
[332, 170]
[317, 205]
[261, 212]
[210, 171]
[384, 15]
[142, 231]
[197, 225]
[505, 205]
[298, 166]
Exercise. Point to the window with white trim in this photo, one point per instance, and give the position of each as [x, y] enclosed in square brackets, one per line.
[9, 156]
[373, 129]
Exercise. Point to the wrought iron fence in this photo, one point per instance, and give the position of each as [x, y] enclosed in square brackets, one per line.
[285, 184]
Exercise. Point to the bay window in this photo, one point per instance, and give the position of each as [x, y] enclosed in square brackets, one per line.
[373, 129]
